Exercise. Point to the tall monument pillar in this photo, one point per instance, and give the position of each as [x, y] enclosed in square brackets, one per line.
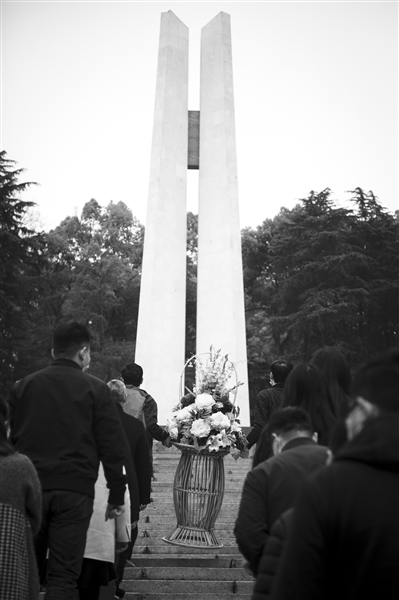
[161, 321]
[182, 140]
[220, 295]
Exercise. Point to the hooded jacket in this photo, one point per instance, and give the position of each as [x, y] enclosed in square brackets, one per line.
[343, 540]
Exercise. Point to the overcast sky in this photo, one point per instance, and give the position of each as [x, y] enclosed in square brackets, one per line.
[316, 99]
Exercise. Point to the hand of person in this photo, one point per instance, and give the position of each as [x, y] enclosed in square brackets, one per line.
[113, 511]
[143, 506]
[167, 442]
[120, 547]
[134, 525]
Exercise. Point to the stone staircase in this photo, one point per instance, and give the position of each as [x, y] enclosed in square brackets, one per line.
[165, 571]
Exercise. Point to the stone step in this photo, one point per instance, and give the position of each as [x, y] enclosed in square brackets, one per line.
[146, 536]
[153, 543]
[185, 596]
[169, 586]
[157, 524]
[227, 510]
[167, 484]
[161, 547]
[165, 571]
[167, 509]
[169, 468]
[223, 561]
[225, 515]
[165, 481]
[188, 573]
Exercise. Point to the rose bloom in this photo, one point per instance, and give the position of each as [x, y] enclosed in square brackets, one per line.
[220, 421]
[200, 428]
[204, 401]
[184, 415]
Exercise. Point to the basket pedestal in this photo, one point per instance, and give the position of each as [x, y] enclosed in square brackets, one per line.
[198, 491]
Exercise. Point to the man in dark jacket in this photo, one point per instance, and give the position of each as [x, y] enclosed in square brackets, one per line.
[343, 540]
[65, 421]
[271, 487]
[269, 400]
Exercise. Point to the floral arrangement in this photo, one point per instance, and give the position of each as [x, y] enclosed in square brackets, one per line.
[206, 418]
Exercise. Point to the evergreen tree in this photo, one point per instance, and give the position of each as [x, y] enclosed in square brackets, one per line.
[21, 255]
[319, 275]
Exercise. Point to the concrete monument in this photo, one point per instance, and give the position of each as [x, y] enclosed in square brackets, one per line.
[184, 140]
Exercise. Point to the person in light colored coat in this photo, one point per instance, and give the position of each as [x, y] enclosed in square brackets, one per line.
[104, 540]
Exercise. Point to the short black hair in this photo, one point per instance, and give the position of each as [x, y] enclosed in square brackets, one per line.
[68, 338]
[132, 374]
[378, 381]
[280, 370]
[291, 418]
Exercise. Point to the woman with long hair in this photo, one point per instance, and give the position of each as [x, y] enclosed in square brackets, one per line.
[336, 372]
[306, 387]
[20, 515]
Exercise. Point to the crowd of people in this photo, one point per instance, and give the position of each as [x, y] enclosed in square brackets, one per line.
[75, 471]
[318, 516]
[319, 511]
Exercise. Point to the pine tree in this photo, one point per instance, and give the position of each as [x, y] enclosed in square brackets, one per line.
[20, 250]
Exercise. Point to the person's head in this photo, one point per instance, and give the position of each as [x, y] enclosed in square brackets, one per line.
[5, 445]
[279, 371]
[306, 387]
[72, 340]
[335, 369]
[287, 424]
[118, 390]
[132, 374]
[375, 391]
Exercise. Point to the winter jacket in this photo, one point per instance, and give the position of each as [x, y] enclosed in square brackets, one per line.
[344, 535]
[269, 490]
[66, 422]
[271, 556]
[267, 402]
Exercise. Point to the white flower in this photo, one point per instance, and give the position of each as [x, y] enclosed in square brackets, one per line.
[204, 401]
[220, 421]
[200, 428]
[172, 428]
[184, 415]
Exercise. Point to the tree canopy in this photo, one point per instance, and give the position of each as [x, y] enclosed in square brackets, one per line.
[316, 275]
[319, 275]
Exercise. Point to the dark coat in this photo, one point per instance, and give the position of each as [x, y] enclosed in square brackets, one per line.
[270, 558]
[269, 490]
[344, 535]
[66, 422]
[137, 440]
[267, 402]
[20, 515]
